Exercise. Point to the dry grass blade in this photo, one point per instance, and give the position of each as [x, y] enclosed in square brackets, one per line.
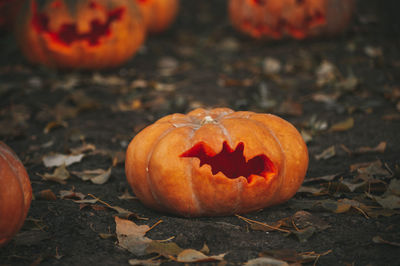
[121, 212]
[249, 221]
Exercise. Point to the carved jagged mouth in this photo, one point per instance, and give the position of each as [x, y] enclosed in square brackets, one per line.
[68, 32]
[231, 163]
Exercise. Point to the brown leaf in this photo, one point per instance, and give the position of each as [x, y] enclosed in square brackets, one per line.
[57, 159]
[149, 262]
[304, 219]
[54, 124]
[70, 194]
[97, 176]
[59, 175]
[265, 261]
[46, 194]
[388, 201]
[127, 196]
[380, 240]
[131, 236]
[165, 249]
[370, 170]
[312, 190]
[191, 255]
[293, 256]
[380, 148]
[343, 125]
[326, 154]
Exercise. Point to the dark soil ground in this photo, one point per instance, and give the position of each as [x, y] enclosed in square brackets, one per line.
[323, 86]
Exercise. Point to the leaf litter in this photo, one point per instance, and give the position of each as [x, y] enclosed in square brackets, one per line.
[132, 238]
[302, 224]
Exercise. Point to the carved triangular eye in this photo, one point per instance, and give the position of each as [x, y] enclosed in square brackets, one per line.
[231, 162]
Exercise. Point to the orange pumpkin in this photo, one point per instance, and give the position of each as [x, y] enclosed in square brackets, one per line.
[296, 18]
[216, 162]
[15, 194]
[85, 34]
[158, 14]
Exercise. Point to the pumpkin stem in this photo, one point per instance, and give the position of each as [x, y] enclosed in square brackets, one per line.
[208, 120]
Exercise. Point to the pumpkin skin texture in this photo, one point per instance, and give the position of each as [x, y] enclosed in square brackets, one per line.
[158, 14]
[216, 162]
[15, 194]
[298, 19]
[84, 34]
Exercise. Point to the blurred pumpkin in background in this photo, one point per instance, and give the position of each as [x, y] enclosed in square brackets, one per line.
[84, 34]
[296, 18]
[158, 14]
[216, 162]
[15, 194]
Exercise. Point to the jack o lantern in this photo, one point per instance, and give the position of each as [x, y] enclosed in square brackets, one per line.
[296, 18]
[216, 162]
[85, 34]
[158, 14]
[15, 194]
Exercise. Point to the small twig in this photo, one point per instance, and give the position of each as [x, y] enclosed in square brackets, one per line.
[247, 220]
[166, 240]
[362, 211]
[154, 225]
[101, 201]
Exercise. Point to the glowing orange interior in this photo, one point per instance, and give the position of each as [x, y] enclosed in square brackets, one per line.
[231, 163]
[68, 32]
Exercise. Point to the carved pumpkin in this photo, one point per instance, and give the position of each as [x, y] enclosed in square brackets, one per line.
[158, 14]
[216, 162]
[15, 194]
[296, 18]
[84, 34]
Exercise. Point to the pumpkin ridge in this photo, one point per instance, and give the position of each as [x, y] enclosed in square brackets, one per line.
[190, 170]
[149, 157]
[282, 171]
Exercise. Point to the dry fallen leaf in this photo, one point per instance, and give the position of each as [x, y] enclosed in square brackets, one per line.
[46, 194]
[97, 176]
[265, 261]
[380, 240]
[293, 256]
[271, 66]
[387, 201]
[380, 148]
[149, 262]
[127, 196]
[191, 255]
[57, 159]
[326, 73]
[59, 175]
[70, 194]
[312, 190]
[343, 125]
[326, 154]
[166, 249]
[131, 236]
